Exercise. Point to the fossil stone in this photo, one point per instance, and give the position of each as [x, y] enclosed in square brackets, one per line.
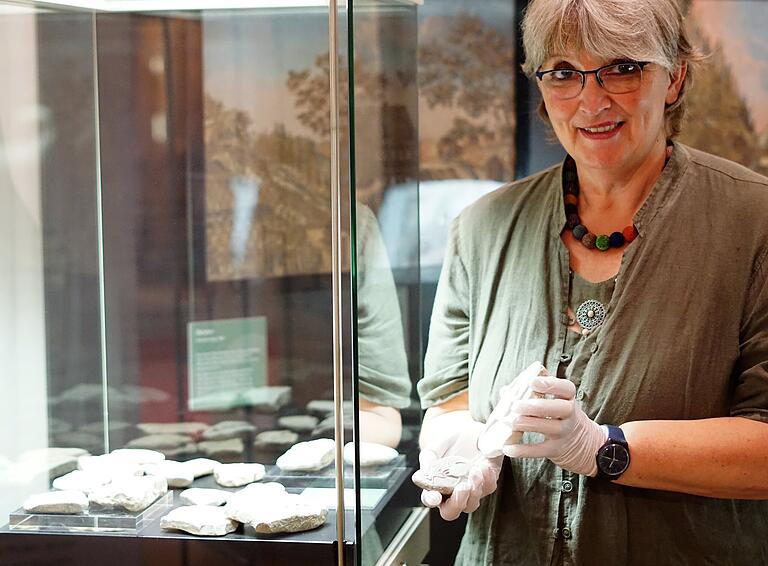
[80, 393]
[137, 456]
[187, 428]
[53, 462]
[371, 454]
[267, 399]
[327, 427]
[170, 445]
[298, 423]
[159, 441]
[320, 407]
[58, 502]
[201, 466]
[275, 440]
[78, 480]
[222, 449]
[109, 465]
[292, 514]
[228, 429]
[308, 456]
[246, 503]
[204, 496]
[177, 474]
[134, 494]
[443, 474]
[142, 395]
[236, 475]
[98, 427]
[180, 451]
[201, 520]
[324, 407]
[87, 441]
[265, 490]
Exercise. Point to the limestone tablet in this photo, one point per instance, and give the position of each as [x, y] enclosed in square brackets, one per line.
[236, 475]
[57, 502]
[308, 456]
[442, 475]
[200, 520]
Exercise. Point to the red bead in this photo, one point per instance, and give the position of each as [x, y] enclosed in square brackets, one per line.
[571, 199]
[629, 233]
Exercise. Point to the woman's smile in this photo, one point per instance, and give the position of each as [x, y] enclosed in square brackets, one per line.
[601, 131]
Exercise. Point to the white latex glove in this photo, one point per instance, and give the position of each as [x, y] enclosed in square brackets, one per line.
[572, 439]
[498, 428]
[455, 434]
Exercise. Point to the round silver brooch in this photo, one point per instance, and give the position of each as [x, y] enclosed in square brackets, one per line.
[590, 314]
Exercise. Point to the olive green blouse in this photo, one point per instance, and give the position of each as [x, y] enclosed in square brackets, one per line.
[685, 337]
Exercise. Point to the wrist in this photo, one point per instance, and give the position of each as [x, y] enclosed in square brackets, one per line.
[612, 458]
[598, 435]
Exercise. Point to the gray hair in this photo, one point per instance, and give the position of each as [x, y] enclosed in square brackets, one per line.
[642, 30]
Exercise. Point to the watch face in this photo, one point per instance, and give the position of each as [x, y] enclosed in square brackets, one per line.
[613, 459]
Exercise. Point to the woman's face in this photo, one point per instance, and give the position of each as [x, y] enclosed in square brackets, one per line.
[635, 119]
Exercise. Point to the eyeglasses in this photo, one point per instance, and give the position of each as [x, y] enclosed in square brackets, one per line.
[616, 78]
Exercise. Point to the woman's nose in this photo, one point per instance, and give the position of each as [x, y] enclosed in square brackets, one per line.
[593, 98]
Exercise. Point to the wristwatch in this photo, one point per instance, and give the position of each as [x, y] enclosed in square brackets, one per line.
[613, 456]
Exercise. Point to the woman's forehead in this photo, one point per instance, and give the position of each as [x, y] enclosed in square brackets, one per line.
[574, 46]
[587, 60]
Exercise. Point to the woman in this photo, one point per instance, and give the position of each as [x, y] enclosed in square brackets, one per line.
[658, 328]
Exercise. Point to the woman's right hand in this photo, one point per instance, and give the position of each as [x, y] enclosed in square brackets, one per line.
[455, 433]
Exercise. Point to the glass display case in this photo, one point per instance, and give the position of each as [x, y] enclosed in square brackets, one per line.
[209, 353]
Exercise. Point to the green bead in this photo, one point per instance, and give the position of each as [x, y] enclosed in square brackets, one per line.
[603, 242]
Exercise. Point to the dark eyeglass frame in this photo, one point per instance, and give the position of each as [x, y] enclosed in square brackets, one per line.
[583, 74]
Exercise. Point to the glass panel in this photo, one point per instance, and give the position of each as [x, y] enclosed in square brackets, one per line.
[470, 129]
[49, 288]
[165, 180]
[386, 167]
[467, 121]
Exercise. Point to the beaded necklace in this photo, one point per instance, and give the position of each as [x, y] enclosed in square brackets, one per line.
[602, 242]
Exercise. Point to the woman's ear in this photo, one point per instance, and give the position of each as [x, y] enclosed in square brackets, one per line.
[676, 83]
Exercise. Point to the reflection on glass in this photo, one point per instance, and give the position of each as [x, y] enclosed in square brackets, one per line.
[467, 122]
[384, 382]
[386, 117]
[165, 181]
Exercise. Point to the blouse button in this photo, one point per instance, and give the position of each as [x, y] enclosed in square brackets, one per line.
[580, 395]
[566, 533]
[565, 358]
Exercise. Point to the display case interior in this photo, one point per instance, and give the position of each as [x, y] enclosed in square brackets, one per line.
[201, 305]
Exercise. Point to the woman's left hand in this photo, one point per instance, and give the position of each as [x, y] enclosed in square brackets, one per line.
[572, 439]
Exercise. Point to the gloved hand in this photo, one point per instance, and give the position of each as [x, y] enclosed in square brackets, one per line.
[498, 428]
[572, 439]
[455, 433]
